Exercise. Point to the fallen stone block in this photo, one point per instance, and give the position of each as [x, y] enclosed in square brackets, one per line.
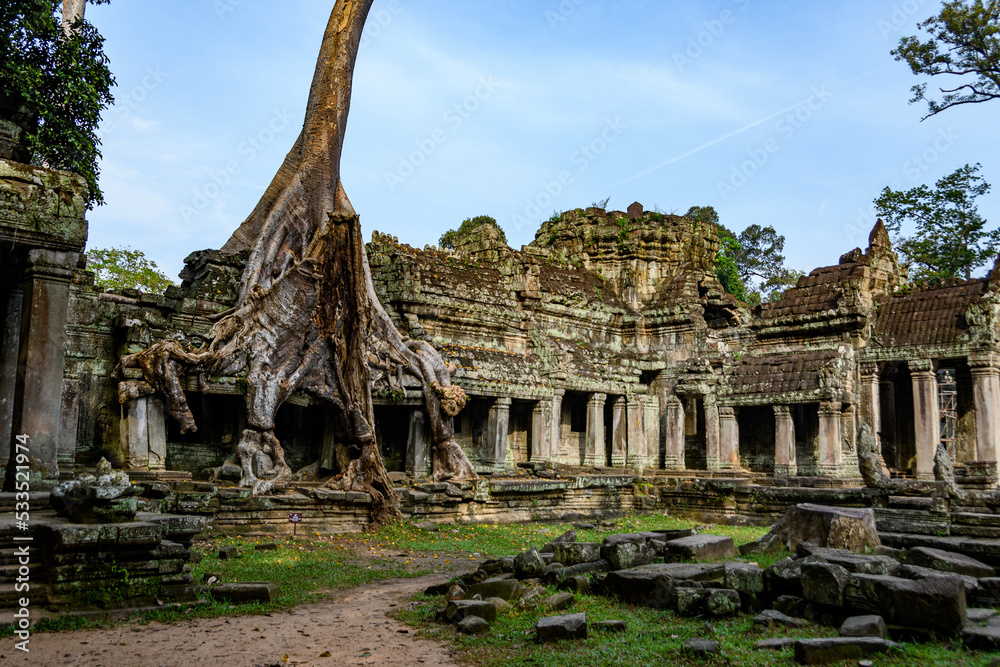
[776, 644]
[506, 589]
[822, 651]
[554, 628]
[243, 593]
[495, 566]
[975, 616]
[623, 554]
[852, 562]
[458, 610]
[982, 638]
[456, 592]
[577, 553]
[743, 577]
[714, 602]
[473, 625]
[987, 594]
[225, 553]
[528, 564]
[566, 538]
[701, 647]
[918, 573]
[502, 606]
[771, 618]
[558, 602]
[654, 585]
[834, 527]
[609, 626]
[784, 578]
[947, 561]
[556, 575]
[700, 548]
[578, 584]
[864, 626]
[824, 583]
[935, 603]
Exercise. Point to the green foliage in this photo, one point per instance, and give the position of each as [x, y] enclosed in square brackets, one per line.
[755, 255]
[624, 229]
[950, 238]
[125, 268]
[451, 237]
[963, 47]
[54, 87]
[726, 269]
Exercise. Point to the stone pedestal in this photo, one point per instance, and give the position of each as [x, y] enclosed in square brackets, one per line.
[674, 429]
[729, 439]
[926, 418]
[830, 445]
[713, 453]
[986, 394]
[418, 455]
[784, 442]
[594, 455]
[144, 434]
[497, 430]
[619, 432]
[38, 393]
[541, 431]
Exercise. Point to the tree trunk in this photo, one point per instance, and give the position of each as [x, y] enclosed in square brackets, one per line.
[72, 11]
[307, 317]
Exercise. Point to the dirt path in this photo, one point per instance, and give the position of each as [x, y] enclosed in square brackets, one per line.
[354, 628]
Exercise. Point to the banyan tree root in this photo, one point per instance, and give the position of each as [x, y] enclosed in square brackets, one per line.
[308, 318]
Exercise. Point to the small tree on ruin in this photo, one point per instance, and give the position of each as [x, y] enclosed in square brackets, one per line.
[307, 318]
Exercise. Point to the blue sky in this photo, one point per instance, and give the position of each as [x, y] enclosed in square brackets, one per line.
[786, 114]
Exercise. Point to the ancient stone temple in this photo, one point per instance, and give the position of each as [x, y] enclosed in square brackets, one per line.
[607, 344]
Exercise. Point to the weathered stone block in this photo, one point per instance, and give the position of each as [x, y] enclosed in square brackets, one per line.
[822, 651]
[714, 602]
[553, 628]
[505, 589]
[824, 583]
[625, 554]
[460, 609]
[529, 564]
[577, 553]
[948, 561]
[700, 548]
[864, 626]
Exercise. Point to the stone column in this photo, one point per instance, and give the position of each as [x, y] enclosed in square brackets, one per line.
[38, 396]
[418, 454]
[10, 344]
[926, 416]
[595, 431]
[830, 445]
[729, 439]
[541, 431]
[986, 394]
[713, 453]
[784, 442]
[144, 434]
[651, 426]
[555, 441]
[497, 430]
[870, 409]
[675, 428]
[619, 432]
[634, 414]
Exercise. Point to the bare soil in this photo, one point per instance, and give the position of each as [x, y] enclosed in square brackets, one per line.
[353, 627]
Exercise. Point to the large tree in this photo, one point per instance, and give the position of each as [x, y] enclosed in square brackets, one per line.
[950, 238]
[307, 318]
[54, 84]
[963, 46]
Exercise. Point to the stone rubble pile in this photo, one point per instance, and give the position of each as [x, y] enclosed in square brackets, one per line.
[875, 599]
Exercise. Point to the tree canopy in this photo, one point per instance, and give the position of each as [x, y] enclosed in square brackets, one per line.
[963, 47]
[125, 268]
[750, 265]
[950, 238]
[54, 84]
[451, 237]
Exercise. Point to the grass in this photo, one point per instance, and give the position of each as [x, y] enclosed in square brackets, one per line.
[653, 638]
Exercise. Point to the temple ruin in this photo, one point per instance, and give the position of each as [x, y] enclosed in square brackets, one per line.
[606, 346]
